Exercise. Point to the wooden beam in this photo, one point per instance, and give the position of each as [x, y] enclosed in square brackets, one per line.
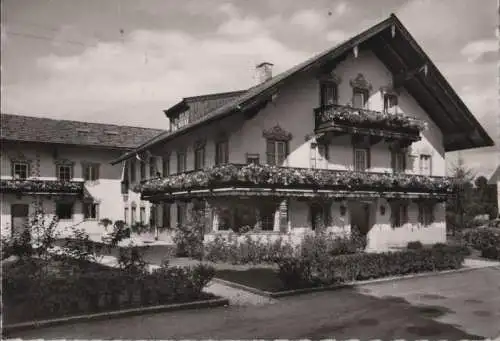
[400, 79]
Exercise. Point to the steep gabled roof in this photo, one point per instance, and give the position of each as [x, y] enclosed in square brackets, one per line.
[399, 52]
[45, 130]
[495, 177]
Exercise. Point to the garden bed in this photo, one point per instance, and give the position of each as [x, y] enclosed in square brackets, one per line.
[40, 290]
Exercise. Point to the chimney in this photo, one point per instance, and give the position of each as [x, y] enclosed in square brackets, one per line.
[264, 72]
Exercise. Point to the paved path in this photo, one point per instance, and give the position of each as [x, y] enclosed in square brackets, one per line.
[469, 308]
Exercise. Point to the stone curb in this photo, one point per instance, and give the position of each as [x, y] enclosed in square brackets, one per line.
[343, 285]
[217, 302]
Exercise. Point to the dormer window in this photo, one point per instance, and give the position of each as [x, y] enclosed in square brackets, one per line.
[390, 103]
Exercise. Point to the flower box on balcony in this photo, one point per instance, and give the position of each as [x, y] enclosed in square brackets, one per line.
[264, 176]
[41, 186]
[339, 115]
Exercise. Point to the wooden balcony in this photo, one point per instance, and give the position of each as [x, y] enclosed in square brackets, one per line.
[289, 181]
[46, 187]
[340, 119]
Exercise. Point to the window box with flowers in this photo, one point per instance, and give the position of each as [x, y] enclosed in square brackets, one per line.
[41, 186]
[266, 176]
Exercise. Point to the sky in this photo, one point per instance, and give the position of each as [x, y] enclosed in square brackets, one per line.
[124, 61]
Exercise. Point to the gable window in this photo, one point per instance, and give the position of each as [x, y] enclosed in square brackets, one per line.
[390, 103]
[426, 214]
[328, 94]
[142, 170]
[133, 170]
[152, 167]
[20, 170]
[199, 157]
[359, 98]
[90, 172]
[253, 158]
[181, 161]
[277, 152]
[90, 211]
[64, 210]
[222, 152]
[166, 215]
[425, 165]
[399, 214]
[166, 165]
[398, 160]
[64, 172]
[361, 156]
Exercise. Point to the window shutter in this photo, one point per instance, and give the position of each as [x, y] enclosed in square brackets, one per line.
[270, 152]
[97, 168]
[393, 161]
[421, 214]
[368, 158]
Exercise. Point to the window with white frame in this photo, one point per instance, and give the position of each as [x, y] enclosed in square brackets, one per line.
[181, 161]
[152, 167]
[276, 152]
[20, 170]
[199, 157]
[142, 215]
[329, 94]
[90, 171]
[267, 214]
[90, 211]
[425, 165]
[222, 152]
[359, 98]
[133, 215]
[399, 214]
[64, 172]
[390, 103]
[166, 165]
[361, 156]
[398, 158]
[319, 155]
[426, 213]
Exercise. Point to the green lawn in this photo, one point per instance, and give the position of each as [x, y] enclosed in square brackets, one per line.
[259, 278]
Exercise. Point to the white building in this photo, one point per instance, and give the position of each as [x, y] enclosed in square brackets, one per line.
[64, 166]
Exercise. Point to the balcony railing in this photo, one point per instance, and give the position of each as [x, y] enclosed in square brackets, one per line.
[35, 186]
[265, 176]
[345, 118]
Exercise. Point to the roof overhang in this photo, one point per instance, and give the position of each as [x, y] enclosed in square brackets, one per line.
[398, 50]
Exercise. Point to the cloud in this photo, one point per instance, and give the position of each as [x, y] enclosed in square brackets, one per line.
[310, 20]
[341, 8]
[151, 70]
[475, 50]
[337, 36]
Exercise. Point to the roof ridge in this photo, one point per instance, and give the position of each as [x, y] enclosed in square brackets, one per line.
[77, 121]
[216, 94]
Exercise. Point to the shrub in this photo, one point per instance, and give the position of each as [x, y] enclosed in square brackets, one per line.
[247, 250]
[362, 266]
[131, 259]
[295, 272]
[189, 236]
[30, 295]
[416, 245]
[485, 240]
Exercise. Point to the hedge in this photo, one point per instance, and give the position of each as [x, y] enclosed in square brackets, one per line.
[30, 294]
[486, 240]
[299, 271]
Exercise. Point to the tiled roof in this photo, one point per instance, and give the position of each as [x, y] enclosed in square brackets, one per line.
[46, 130]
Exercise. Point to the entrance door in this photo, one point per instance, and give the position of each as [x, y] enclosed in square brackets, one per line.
[360, 217]
[19, 218]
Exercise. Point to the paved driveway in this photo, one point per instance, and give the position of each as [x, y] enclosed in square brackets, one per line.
[468, 307]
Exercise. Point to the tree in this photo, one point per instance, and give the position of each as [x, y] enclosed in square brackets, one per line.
[459, 208]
